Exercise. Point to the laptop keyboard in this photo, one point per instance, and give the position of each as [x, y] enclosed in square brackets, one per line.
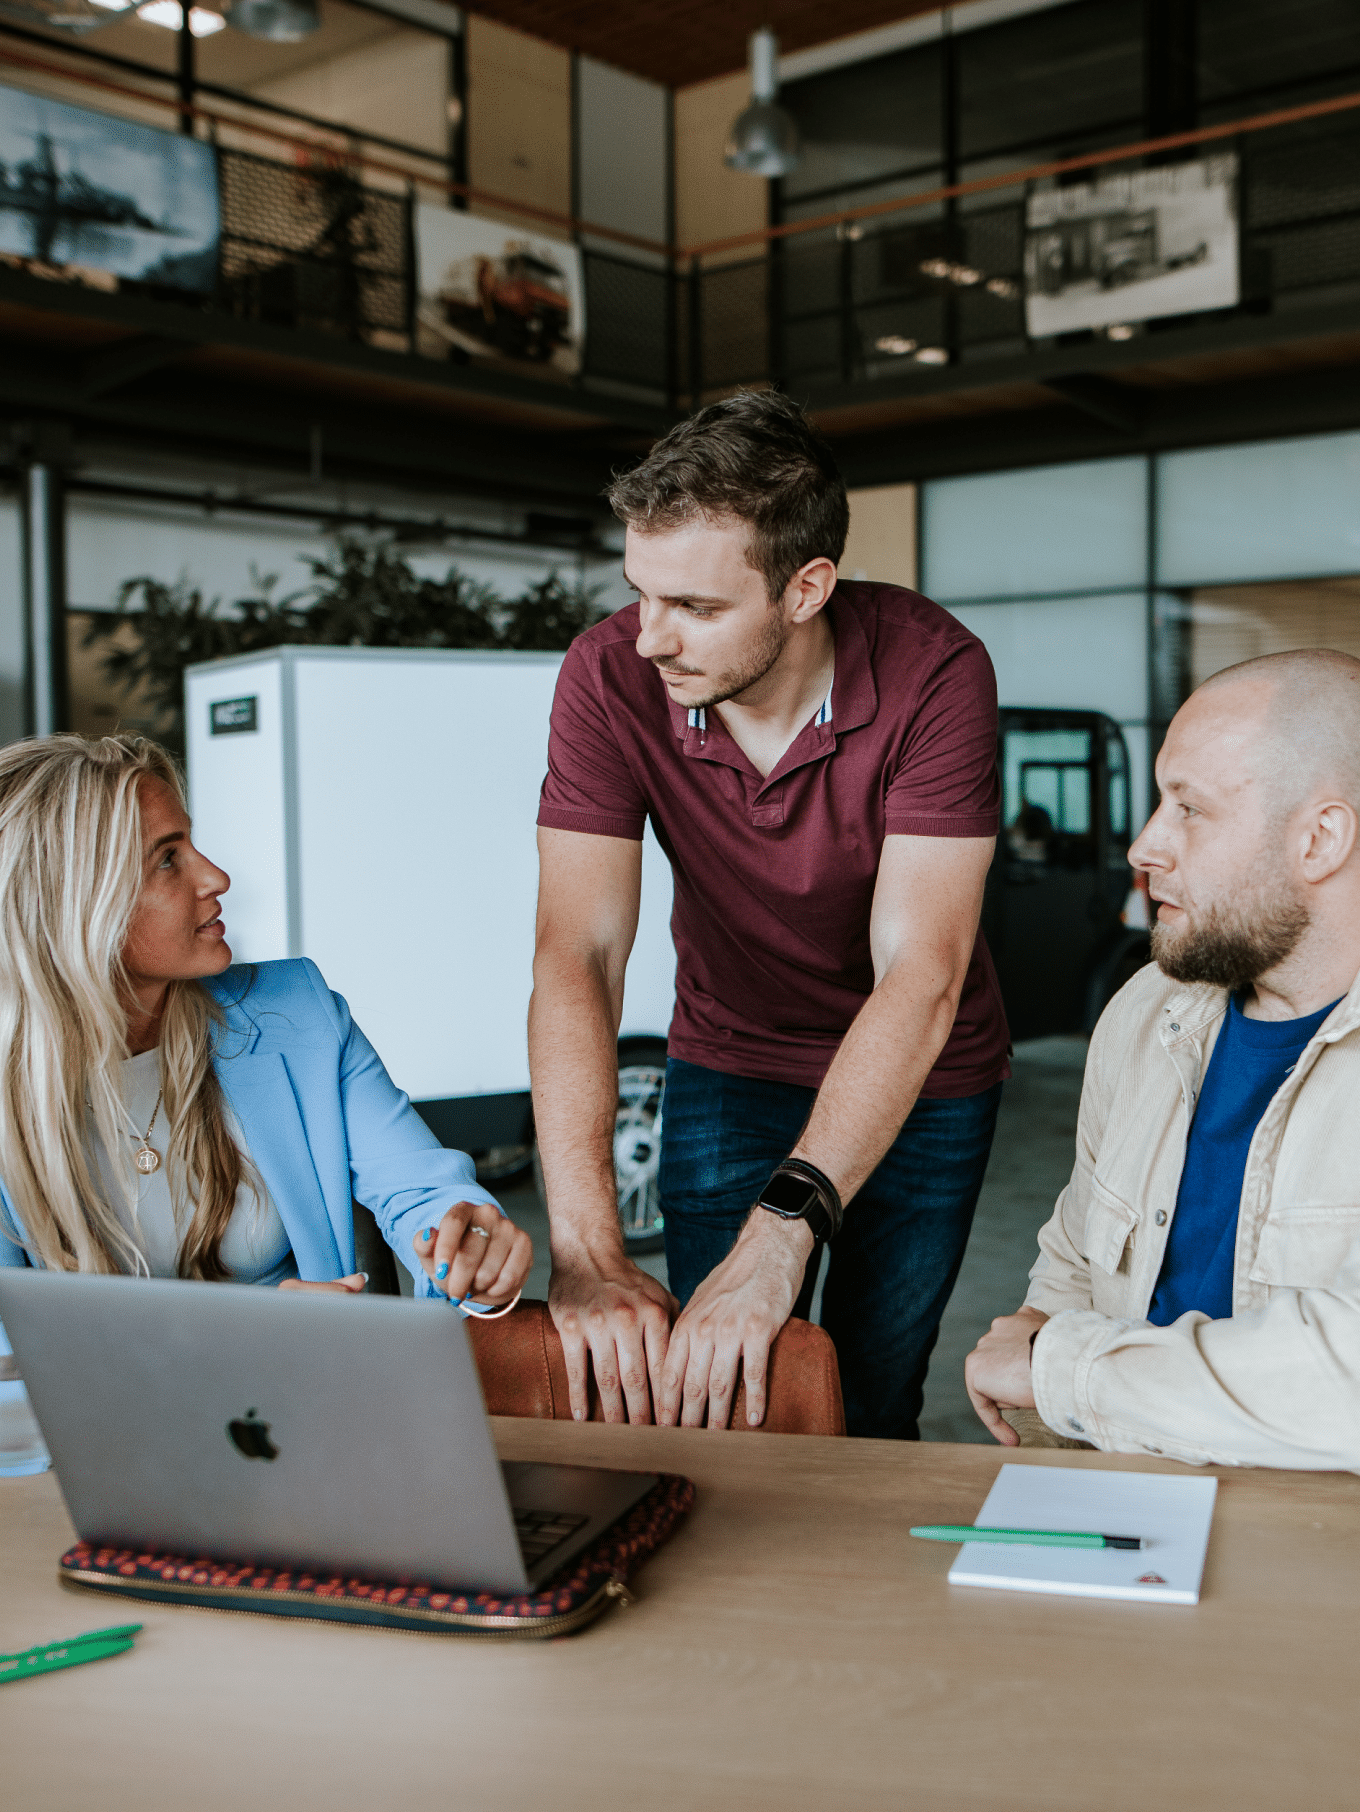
[540, 1531]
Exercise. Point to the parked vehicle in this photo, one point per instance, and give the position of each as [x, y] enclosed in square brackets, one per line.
[517, 303]
[1054, 910]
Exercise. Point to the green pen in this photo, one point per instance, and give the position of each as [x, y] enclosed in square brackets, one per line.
[1028, 1538]
[74, 1651]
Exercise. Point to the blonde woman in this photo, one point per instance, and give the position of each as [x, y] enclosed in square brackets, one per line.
[165, 1114]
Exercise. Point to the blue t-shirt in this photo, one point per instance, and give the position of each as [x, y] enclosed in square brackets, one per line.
[1249, 1063]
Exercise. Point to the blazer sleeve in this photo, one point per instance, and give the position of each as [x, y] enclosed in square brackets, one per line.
[398, 1169]
[12, 1253]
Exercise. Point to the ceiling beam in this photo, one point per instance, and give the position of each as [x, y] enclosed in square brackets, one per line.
[1304, 402]
[316, 353]
[124, 362]
[217, 418]
[1203, 336]
[1117, 405]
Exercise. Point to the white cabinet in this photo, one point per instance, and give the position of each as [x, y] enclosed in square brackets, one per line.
[375, 809]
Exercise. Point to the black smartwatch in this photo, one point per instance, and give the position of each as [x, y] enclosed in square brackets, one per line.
[800, 1192]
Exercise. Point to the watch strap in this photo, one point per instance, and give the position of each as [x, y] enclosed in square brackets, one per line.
[827, 1196]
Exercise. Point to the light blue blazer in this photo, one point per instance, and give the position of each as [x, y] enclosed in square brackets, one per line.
[324, 1123]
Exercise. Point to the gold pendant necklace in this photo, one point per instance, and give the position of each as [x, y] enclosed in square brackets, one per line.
[147, 1158]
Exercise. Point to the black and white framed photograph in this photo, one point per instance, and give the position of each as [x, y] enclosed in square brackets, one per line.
[1132, 248]
[86, 191]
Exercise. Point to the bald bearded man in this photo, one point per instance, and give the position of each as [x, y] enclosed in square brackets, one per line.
[1197, 1292]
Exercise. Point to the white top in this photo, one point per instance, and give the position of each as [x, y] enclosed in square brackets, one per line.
[255, 1249]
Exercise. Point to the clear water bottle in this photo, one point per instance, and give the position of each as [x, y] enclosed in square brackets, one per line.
[22, 1449]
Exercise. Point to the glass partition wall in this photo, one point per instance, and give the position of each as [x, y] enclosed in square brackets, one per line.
[1119, 585]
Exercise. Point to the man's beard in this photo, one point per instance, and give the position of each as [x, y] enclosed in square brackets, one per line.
[756, 665]
[1231, 947]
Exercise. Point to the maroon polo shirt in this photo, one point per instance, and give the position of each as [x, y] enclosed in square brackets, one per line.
[774, 877]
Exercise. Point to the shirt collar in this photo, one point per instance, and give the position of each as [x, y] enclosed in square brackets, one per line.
[1201, 1003]
[698, 717]
[853, 687]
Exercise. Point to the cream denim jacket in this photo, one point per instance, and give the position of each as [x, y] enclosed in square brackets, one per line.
[1278, 1384]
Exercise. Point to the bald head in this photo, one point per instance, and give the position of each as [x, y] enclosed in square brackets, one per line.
[1300, 712]
[1253, 854]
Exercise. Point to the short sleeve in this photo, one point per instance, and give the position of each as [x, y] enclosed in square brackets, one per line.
[946, 783]
[589, 786]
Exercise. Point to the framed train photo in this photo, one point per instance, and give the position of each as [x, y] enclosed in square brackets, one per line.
[1132, 248]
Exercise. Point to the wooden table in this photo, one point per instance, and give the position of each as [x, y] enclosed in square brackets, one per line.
[791, 1647]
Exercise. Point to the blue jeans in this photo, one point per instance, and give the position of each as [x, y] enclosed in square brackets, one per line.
[897, 1255]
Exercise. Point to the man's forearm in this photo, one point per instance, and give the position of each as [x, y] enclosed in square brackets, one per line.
[573, 1060]
[876, 1075]
[1277, 1386]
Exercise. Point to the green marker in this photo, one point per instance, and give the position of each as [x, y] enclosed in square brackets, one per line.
[51, 1657]
[1028, 1538]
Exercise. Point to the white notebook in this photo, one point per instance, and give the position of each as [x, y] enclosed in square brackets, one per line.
[1172, 1513]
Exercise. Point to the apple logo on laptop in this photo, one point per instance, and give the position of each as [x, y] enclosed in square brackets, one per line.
[250, 1436]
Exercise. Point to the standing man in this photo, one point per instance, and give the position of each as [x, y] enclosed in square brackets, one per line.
[819, 763]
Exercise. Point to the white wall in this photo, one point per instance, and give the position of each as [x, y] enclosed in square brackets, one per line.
[109, 542]
[995, 549]
[1074, 653]
[621, 127]
[1022, 534]
[1278, 509]
[397, 87]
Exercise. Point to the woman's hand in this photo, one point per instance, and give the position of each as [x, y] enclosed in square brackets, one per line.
[354, 1285]
[475, 1251]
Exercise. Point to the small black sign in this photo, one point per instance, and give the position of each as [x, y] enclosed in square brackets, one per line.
[230, 716]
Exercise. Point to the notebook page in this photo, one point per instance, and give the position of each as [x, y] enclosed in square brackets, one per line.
[1172, 1512]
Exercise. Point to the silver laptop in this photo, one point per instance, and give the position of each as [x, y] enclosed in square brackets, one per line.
[289, 1429]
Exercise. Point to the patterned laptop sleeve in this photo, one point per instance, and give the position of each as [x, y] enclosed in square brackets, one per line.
[598, 1576]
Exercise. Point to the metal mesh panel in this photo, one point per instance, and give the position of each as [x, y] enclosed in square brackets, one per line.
[311, 247]
[993, 243]
[734, 324]
[1312, 257]
[810, 273]
[812, 348]
[626, 321]
[684, 380]
[895, 330]
[1300, 178]
[1301, 210]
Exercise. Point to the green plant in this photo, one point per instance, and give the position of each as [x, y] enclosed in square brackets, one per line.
[363, 594]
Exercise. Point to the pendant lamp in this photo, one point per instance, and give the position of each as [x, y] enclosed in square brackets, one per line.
[279, 21]
[763, 140]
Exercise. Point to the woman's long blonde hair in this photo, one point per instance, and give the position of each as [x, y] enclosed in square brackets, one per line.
[70, 875]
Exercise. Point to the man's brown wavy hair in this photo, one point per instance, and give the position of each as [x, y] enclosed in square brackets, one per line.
[756, 458]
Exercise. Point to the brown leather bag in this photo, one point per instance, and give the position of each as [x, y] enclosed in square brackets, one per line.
[524, 1373]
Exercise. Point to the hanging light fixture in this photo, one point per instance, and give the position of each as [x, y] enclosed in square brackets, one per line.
[280, 21]
[763, 140]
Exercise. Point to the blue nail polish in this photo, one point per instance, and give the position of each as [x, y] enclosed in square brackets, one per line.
[441, 1272]
[428, 1233]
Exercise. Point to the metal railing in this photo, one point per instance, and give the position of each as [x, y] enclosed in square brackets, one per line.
[935, 278]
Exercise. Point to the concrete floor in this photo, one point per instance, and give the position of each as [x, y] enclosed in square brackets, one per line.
[1031, 1161]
